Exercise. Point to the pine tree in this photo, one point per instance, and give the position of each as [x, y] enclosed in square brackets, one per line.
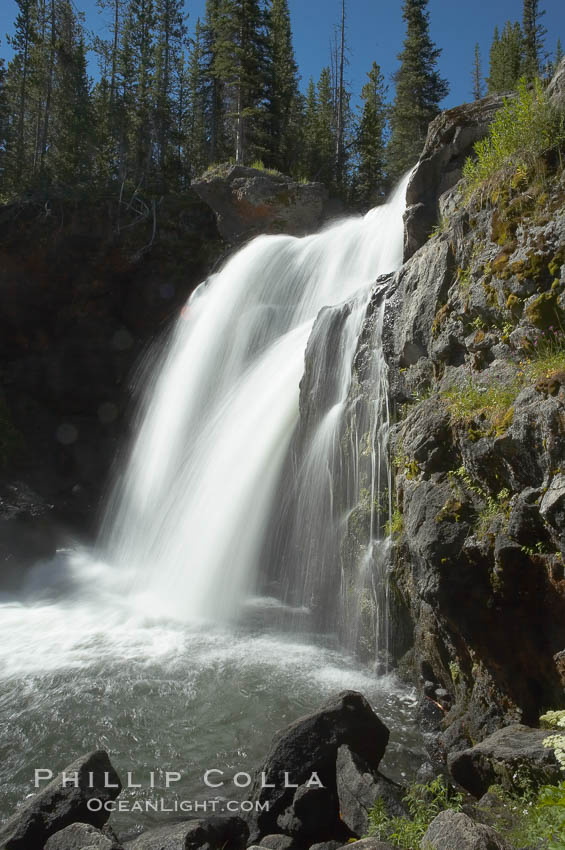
[309, 157]
[341, 102]
[324, 131]
[558, 55]
[478, 90]
[171, 39]
[534, 36]
[19, 83]
[240, 66]
[213, 86]
[505, 59]
[136, 65]
[196, 106]
[282, 89]
[105, 100]
[4, 127]
[370, 142]
[69, 150]
[419, 90]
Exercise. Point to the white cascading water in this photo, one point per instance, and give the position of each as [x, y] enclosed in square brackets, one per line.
[189, 519]
[258, 458]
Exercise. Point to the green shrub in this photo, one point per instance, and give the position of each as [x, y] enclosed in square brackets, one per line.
[547, 355]
[395, 524]
[526, 127]
[537, 819]
[475, 401]
[424, 803]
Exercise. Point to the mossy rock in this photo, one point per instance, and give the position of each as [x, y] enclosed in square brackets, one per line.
[514, 304]
[545, 312]
[535, 267]
[550, 385]
[451, 511]
[439, 319]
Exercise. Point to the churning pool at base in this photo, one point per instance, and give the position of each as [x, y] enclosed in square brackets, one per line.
[81, 670]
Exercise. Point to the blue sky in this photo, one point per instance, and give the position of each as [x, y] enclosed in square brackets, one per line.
[375, 32]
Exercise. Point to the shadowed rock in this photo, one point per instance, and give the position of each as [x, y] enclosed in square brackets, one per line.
[60, 805]
[506, 758]
[309, 746]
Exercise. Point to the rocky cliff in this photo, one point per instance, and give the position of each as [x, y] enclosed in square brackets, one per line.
[474, 339]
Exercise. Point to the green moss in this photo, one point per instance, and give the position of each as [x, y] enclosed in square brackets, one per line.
[514, 304]
[535, 267]
[490, 406]
[395, 524]
[490, 292]
[545, 312]
[556, 262]
[451, 511]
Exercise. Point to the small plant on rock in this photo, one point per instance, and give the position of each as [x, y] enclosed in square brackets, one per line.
[424, 803]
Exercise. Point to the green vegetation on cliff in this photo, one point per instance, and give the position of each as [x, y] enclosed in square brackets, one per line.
[525, 129]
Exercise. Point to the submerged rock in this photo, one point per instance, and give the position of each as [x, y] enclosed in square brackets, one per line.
[59, 805]
[249, 201]
[510, 757]
[307, 750]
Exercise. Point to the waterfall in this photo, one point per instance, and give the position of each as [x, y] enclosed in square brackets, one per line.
[246, 469]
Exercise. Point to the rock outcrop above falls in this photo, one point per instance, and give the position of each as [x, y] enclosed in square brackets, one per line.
[250, 201]
[450, 140]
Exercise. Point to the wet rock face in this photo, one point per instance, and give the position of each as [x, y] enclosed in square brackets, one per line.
[478, 445]
[249, 201]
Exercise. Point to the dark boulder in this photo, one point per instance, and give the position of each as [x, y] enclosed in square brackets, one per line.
[215, 833]
[359, 788]
[309, 746]
[60, 805]
[508, 757]
[312, 816]
[456, 831]
[27, 533]
[250, 201]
